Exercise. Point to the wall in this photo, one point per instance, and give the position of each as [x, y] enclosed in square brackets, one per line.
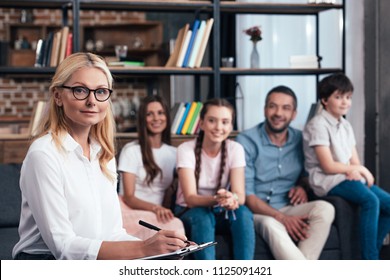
[18, 95]
[377, 65]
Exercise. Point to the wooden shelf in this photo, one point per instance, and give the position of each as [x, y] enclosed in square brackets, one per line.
[275, 9]
[152, 6]
[48, 71]
[278, 71]
[213, 8]
[28, 72]
[38, 4]
[121, 71]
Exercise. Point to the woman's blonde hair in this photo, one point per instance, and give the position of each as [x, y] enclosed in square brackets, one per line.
[56, 123]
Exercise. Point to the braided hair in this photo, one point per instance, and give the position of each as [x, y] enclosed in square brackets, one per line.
[219, 102]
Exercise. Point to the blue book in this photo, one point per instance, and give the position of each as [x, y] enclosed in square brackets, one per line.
[195, 29]
[188, 105]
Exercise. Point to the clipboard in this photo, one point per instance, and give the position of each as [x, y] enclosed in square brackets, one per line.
[181, 252]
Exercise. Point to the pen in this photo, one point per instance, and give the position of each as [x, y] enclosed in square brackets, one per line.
[153, 227]
[149, 226]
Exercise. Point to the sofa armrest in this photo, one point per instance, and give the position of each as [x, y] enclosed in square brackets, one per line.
[10, 199]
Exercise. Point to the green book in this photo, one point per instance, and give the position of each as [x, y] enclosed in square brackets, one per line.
[127, 63]
[199, 106]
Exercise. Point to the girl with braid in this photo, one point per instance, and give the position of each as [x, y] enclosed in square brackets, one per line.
[211, 193]
[147, 167]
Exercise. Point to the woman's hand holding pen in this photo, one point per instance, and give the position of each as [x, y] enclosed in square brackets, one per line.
[226, 199]
[164, 241]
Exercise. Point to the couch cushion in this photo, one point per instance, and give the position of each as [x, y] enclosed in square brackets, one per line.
[8, 236]
[10, 198]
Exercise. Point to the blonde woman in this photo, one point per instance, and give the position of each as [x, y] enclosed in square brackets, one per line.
[70, 208]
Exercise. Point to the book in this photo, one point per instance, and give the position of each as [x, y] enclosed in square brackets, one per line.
[311, 65]
[48, 48]
[39, 53]
[178, 116]
[197, 42]
[38, 112]
[195, 29]
[126, 63]
[303, 58]
[69, 45]
[55, 49]
[204, 42]
[196, 126]
[181, 252]
[172, 113]
[183, 49]
[195, 119]
[183, 118]
[63, 43]
[178, 45]
[304, 61]
[189, 117]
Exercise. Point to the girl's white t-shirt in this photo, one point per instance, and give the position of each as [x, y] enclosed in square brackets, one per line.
[130, 160]
[210, 167]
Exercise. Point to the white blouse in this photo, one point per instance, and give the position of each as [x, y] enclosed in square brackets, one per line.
[69, 207]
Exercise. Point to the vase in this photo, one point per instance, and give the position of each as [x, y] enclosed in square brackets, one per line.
[255, 57]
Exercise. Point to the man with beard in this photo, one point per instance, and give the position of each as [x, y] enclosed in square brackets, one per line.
[275, 182]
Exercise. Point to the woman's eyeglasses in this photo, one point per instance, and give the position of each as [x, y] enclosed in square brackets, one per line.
[82, 93]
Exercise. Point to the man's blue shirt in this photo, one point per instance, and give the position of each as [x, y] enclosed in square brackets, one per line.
[271, 171]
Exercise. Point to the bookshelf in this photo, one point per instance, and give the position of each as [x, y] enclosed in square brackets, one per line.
[25, 56]
[214, 9]
[219, 78]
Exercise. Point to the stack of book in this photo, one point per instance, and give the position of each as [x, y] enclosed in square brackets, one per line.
[190, 44]
[52, 50]
[185, 118]
[305, 61]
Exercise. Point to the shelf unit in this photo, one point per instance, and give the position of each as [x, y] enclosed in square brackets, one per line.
[214, 8]
[64, 5]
